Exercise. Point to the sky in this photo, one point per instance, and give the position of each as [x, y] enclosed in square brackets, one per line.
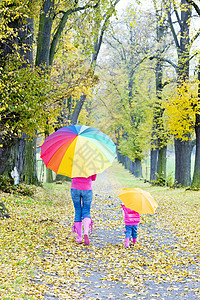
[146, 4]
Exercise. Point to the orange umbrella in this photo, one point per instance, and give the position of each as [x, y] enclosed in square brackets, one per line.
[138, 200]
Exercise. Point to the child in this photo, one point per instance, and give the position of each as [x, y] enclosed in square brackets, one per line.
[131, 219]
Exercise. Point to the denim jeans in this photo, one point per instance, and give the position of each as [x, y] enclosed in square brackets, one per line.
[131, 230]
[82, 203]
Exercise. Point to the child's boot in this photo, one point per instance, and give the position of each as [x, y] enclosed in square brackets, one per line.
[127, 241]
[78, 228]
[134, 241]
[87, 222]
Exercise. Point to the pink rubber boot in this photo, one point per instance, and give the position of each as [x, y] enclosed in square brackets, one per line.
[78, 228]
[86, 225]
[134, 241]
[127, 241]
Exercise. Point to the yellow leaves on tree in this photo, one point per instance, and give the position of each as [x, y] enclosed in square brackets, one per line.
[180, 109]
[71, 72]
[23, 99]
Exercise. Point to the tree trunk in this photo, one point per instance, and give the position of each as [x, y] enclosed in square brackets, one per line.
[29, 171]
[22, 155]
[132, 167]
[44, 33]
[162, 162]
[138, 165]
[19, 152]
[183, 151]
[159, 141]
[153, 164]
[77, 109]
[43, 48]
[10, 158]
[121, 158]
[196, 175]
[49, 176]
[127, 162]
[49, 173]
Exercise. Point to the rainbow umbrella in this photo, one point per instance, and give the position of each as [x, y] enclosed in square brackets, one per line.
[78, 151]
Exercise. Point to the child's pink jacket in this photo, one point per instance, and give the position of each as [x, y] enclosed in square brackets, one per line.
[131, 217]
[82, 183]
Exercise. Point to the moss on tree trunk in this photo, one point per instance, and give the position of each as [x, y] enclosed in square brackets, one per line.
[29, 173]
[162, 162]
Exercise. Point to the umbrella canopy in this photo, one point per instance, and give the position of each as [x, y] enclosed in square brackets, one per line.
[78, 151]
[138, 200]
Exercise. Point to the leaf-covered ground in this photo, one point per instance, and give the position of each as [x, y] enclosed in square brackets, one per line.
[41, 260]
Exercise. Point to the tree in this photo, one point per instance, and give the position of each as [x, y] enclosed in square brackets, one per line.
[54, 18]
[101, 26]
[48, 42]
[16, 43]
[159, 136]
[183, 147]
[196, 175]
[124, 93]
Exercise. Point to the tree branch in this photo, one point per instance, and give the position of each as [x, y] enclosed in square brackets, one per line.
[166, 60]
[123, 54]
[191, 57]
[194, 37]
[194, 5]
[109, 110]
[168, 82]
[172, 26]
[100, 39]
[62, 24]
[176, 13]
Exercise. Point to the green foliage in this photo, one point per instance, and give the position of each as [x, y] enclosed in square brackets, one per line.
[26, 95]
[126, 94]
[160, 181]
[13, 10]
[7, 186]
[169, 181]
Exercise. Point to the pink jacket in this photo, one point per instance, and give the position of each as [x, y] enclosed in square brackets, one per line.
[82, 183]
[131, 217]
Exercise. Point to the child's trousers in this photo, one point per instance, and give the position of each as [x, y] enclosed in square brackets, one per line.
[131, 231]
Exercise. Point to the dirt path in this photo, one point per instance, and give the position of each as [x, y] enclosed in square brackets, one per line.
[107, 210]
[155, 268]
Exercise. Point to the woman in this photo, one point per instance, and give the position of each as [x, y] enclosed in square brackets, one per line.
[82, 194]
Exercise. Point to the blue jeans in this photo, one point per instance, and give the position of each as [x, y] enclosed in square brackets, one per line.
[82, 203]
[131, 230]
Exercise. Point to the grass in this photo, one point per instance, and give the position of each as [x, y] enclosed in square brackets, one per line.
[126, 179]
[170, 167]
